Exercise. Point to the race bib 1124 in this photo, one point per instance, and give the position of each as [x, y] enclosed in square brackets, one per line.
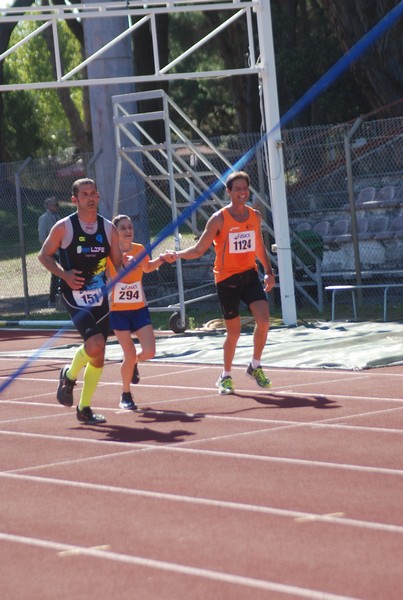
[240, 242]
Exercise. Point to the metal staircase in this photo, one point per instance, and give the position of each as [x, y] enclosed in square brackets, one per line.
[181, 170]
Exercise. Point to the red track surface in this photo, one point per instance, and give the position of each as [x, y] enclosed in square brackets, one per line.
[292, 493]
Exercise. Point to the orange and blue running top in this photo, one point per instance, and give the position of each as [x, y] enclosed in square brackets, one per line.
[128, 292]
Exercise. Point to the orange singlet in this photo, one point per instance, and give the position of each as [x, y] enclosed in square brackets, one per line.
[128, 293]
[235, 245]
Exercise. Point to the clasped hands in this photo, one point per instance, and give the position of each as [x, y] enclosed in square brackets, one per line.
[168, 256]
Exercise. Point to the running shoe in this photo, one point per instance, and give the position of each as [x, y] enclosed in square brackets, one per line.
[258, 375]
[225, 385]
[126, 401]
[88, 417]
[136, 374]
[64, 393]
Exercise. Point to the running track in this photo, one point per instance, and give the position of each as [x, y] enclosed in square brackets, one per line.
[292, 493]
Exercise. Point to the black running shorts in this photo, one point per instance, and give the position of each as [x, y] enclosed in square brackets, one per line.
[244, 286]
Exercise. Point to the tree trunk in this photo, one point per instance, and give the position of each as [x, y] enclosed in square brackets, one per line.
[81, 136]
[245, 93]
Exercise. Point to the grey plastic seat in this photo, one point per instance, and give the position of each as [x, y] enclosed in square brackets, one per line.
[337, 230]
[362, 225]
[398, 197]
[387, 192]
[396, 227]
[380, 229]
[386, 196]
[303, 226]
[362, 231]
[323, 228]
[367, 194]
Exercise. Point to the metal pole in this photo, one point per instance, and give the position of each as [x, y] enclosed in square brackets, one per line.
[91, 164]
[350, 186]
[170, 171]
[21, 234]
[274, 143]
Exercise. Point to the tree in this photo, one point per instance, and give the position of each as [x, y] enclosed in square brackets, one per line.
[63, 121]
[379, 72]
[309, 37]
[244, 90]
[56, 112]
[6, 30]
[81, 134]
[306, 48]
[218, 106]
[17, 130]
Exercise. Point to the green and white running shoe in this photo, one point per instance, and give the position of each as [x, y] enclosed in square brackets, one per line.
[258, 375]
[225, 385]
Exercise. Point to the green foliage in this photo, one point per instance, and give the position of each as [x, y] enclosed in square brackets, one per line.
[208, 102]
[44, 129]
[305, 44]
[9, 225]
[22, 129]
[305, 50]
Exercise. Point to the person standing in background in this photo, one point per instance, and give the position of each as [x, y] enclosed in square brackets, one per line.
[45, 224]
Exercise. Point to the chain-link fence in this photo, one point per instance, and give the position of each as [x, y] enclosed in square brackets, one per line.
[24, 187]
[345, 199]
[345, 183]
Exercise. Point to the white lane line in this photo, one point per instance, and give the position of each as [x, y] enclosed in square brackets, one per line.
[183, 448]
[275, 392]
[206, 393]
[176, 568]
[331, 423]
[298, 516]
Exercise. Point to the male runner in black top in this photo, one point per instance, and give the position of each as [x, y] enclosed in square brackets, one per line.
[83, 242]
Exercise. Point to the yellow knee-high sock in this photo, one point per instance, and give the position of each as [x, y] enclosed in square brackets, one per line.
[80, 359]
[90, 381]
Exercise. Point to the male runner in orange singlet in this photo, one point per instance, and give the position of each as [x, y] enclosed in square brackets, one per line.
[236, 233]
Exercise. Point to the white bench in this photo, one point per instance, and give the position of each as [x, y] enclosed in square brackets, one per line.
[353, 288]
